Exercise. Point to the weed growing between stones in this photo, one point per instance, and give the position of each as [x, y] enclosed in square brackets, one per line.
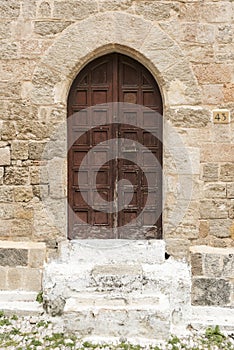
[38, 333]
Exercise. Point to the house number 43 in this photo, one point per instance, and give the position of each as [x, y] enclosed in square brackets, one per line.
[221, 116]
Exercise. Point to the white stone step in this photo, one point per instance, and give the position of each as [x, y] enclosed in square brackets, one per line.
[144, 322]
[20, 303]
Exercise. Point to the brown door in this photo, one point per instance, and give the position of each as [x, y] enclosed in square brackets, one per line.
[114, 188]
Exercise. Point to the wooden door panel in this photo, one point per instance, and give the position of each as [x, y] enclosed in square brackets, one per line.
[101, 186]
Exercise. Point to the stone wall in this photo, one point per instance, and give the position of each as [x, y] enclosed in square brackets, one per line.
[188, 46]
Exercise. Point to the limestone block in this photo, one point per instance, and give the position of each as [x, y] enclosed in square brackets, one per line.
[36, 150]
[213, 73]
[5, 156]
[8, 130]
[45, 28]
[9, 9]
[217, 12]
[196, 264]
[215, 190]
[6, 194]
[23, 193]
[188, 117]
[1, 175]
[182, 86]
[29, 8]
[5, 228]
[9, 50]
[227, 172]
[37, 257]
[16, 176]
[19, 150]
[5, 30]
[220, 227]
[32, 279]
[157, 11]
[41, 191]
[15, 278]
[44, 10]
[231, 210]
[213, 265]
[213, 209]
[204, 228]
[6, 211]
[23, 212]
[13, 257]
[220, 152]
[190, 11]
[210, 172]
[3, 278]
[22, 227]
[67, 9]
[114, 5]
[10, 90]
[212, 94]
[210, 291]
[228, 266]
[230, 190]
[228, 91]
[224, 33]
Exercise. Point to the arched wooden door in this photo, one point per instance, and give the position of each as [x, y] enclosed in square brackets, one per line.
[114, 78]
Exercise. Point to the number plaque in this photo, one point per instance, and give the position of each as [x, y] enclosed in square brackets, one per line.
[221, 116]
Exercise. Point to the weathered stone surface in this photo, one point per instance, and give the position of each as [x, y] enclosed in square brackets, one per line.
[196, 264]
[204, 228]
[213, 265]
[224, 33]
[14, 278]
[114, 5]
[189, 117]
[32, 279]
[23, 193]
[50, 27]
[9, 90]
[16, 176]
[36, 150]
[13, 257]
[213, 73]
[44, 10]
[228, 266]
[157, 11]
[1, 175]
[230, 190]
[3, 278]
[227, 172]
[19, 150]
[210, 172]
[213, 209]
[220, 227]
[212, 94]
[37, 257]
[67, 9]
[6, 194]
[212, 152]
[228, 92]
[215, 190]
[210, 291]
[5, 157]
[9, 9]
[216, 12]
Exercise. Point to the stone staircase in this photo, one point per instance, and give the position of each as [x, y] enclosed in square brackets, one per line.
[128, 290]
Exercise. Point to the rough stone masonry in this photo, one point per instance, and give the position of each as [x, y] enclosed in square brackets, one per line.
[189, 48]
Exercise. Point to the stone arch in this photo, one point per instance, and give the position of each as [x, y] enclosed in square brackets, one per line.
[120, 32]
[144, 41]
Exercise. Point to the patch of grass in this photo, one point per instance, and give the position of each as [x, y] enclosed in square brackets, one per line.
[39, 297]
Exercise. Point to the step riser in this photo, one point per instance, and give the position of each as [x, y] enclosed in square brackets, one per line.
[119, 323]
